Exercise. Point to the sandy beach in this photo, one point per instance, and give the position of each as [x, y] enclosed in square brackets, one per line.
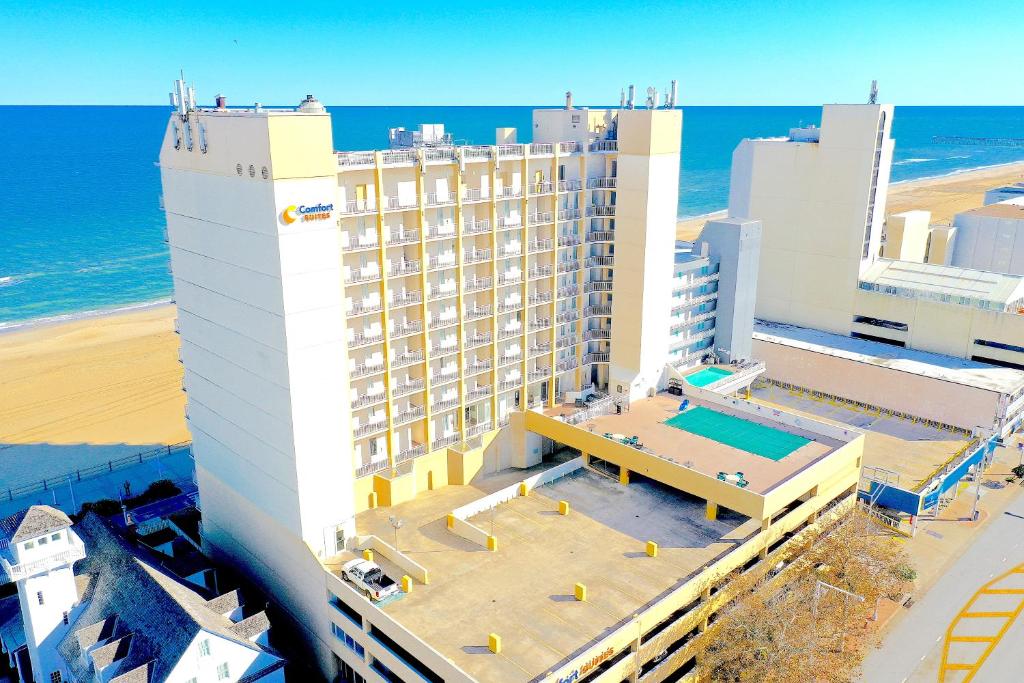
[116, 379]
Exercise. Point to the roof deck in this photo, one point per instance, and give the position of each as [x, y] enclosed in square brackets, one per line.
[646, 419]
[524, 591]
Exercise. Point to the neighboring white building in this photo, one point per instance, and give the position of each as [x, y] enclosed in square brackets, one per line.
[1001, 194]
[120, 616]
[991, 237]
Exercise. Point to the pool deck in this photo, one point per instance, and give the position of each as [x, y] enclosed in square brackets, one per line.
[646, 420]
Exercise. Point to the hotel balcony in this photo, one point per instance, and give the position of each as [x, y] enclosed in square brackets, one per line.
[607, 183]
[477, 313]
[478, 340]
[598, 286]
[600, 309]
[476, 284]
[444, 441]
[393, 157]
[476, 152]
[478, 428]
[362, 243]
[362, 308]
[476, 256]
[476, 227]
[444, 376]
[411, 414]
[365, 370]
[539, 218]
[402, 268]
[399, 203]
[441, 292]
[510, 306]
[511, 249]
[478, 367]
[600, 261]
[478, 393]
[354, 207]
[441, 261]
[409, 298]
[440, 198]
[569, 240]
[592, 335]
[475, 194]
[511, 332]
[509, 192]
[510, 278]
[540, 188]
[540, 245]
[442, 231]
[444, 404]
[404, 237]
[368, 400]
[695, 282]
[445, 349]
[438, 320]
[355, 159]
[569, 185]
[567, 316]
[538, 350]
[370, 428]
[600, 235]
[604, 146]
[365, 338]
[510, 151]
[566, 364]
[409, 386]
[413, 451]
[357, 276]
[539, 272]
[567, 291]
[508, 222]
[568, 147]
[538, 298]
[404, 330]
[601, 210]
[566, 340]
[444, 155]
[24, 570]
[407, 358]
[539, 148]
[568, 266]
[540, 324]
[371, 468]
[590, 358]
[686, 304]
[691, 338]
[568, 214]
[509, 384]
[539, 374]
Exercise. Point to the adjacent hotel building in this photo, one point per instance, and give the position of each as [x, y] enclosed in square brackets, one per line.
[450, 357]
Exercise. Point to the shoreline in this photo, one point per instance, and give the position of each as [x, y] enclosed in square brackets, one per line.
[26, 325]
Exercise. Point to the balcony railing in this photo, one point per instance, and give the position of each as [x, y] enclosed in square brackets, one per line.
[569, 186]
[477, 284]
[371, 468]
[510, 332]
[361, 244]
[540, 188]
[410, 327]
[475, 194]
[539, 218]
[568, 240]
[414, 451]
[565, 341]
[566, 364]
[444, 404]
[539, 271]
[407, 387]
[509, 306]
[438, 320]
[478, 340]
[600, 261]
[568, 214]
[542, 148]
[538, 350]
[355, 277]
[443, 261]
[601, 236]
[409, 415]
[568, 147]
[403, 237]
[476, 256]
[408, 358]
[399, 203]
[364, 338]
[477, 313]
[368, 400]
[510, 278]
[598, 286]
[442, 231]
[444, 377]
[443, 154]
[596, 358]
[443, 350]
[568, 266]
[600, 309]
[591, 335]
[444, 441]
[403, 268]
[350, 159]
[440, 198]
[507, 250]
[398, 156]
[17, 572]
[360, 308]
[604, 146]
[540, 298]
[478, 428]
[509, 384]
[407, 299]
[365, 370]
[505, 222]
[479, 366]
[568, 291]
[538, 374]
[370, 428]
[509, 192]
[601, 210]
[476, 152]
[476, 227]
[689, 303]
[607, 183]
[540, 324]
[505, 151]
[568, 316]
[478, 393]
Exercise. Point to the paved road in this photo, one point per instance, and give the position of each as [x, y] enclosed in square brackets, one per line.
[912, 650]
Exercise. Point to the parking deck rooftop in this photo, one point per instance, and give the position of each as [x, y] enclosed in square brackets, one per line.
[524, 591]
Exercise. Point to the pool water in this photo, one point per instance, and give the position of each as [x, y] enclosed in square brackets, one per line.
[751, 437]
[707, 376]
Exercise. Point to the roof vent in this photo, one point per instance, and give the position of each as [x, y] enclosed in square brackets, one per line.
[310, 105]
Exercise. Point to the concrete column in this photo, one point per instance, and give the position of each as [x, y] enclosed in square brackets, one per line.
[623, 476]
[711, 511]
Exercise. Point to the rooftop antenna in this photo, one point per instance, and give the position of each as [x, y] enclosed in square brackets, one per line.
[673, 94]
[568, 99]
[873, 97]
[631, 102]
[652, 97]
[622, 99]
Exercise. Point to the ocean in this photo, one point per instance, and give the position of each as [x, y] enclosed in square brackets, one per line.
[84, 232]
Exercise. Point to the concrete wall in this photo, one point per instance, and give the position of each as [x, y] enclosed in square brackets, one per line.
[935, 399]
[986, 242]
[736, 244]
[907, 236]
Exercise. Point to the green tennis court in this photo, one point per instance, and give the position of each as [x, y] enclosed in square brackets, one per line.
[738, 433]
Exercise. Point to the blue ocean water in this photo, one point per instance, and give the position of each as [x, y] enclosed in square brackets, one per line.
[83, 230]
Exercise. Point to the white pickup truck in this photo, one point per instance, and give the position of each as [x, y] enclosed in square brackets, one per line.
[370, 578]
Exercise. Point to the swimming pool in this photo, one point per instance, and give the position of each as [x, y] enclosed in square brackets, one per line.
[751, 437]
[707, 376]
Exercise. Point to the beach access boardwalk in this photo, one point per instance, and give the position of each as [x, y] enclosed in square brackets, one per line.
[69, 488]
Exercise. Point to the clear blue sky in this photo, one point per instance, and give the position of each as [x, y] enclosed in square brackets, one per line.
[455, 52]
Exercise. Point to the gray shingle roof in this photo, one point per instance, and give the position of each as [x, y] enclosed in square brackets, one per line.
[38, 520]
[251, 627]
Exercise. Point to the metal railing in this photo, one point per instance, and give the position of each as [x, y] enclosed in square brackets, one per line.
[444, 441]
[410, 327]
[477, 313]
[509, 192]
[478, 428]
[403, 237]
[596, 358]
[17, 572]
[568, 266]
[600, 235]
[476, 256]
[404, 268]
[571, 147]
[360, 308]
[475, 194]
[601, 210]
[510, 278]
[359, 245]
[508, 384]
[604, 146]
[410, 415]
[440, 198]
[371, 468]
[566, 364]
[510, 221]
[569, 185]
[515, 150]
[479, 340]
[540, 298]
[476, 227]
[355, 158]
[569, 240]
[591, 335]
[407, 299]
[443, 377]
[568, 316]
[445, 154]
[568, 291]
[370, 428]
[540, 188]
[509, 306]
[511, 249]
[397, 203]
[442, 231]
[542, 148]
[538, 374]
[478, 393]
[445, 404]
[357, 276]
[407, 387]
[476, 152]
[368, 400]
[539, 217]
[539, 271]
[540, 323]
[362, 339]
[414, 451]
[407, 358]
[568, 214]
[443, 261]
[477, 284]
[474, 368]
[398, 156]
[606, 183]
[509, 333]
[600, 309]
[600, 261]
[540, 245]
[538, 350]
[597, 286]
[364, 370]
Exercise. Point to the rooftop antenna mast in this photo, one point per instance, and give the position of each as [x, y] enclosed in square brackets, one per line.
[873, 97]
[622, 99]
[631, 101]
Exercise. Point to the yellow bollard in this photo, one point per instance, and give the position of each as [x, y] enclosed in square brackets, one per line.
[522, 489]
[652, 549]
[451, 520]
[492, 543]
[494, 643]
[373, 499]
[407, 584]
[563, 507]
[581, 592]
[712, 511]
[368, 555]
[623, 476]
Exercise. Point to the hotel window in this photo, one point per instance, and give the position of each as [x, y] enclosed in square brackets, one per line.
[29, 545]
[56, 677]
[55, 537]
[44, 540]
[67, 620]
[222, 671]
[39, 597]
[348, 640]
[204, 648]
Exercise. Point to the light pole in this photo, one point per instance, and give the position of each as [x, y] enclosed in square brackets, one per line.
[397, 524]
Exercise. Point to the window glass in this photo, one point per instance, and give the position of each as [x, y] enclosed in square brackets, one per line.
[222, 671]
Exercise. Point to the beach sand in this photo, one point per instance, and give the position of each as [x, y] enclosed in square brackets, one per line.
[116, 379]
[944, 196]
